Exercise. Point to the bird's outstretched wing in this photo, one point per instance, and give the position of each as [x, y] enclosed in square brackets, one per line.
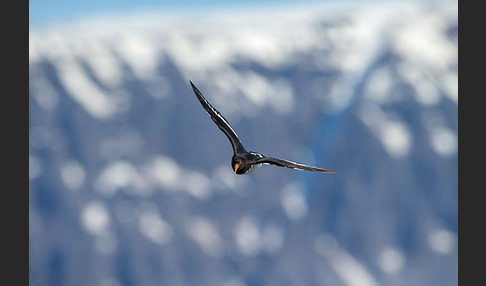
[220, 121]
[292, 165]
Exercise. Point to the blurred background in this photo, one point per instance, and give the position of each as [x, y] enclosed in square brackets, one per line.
[131, 182]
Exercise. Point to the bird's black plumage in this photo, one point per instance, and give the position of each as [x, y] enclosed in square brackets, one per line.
[243, 161]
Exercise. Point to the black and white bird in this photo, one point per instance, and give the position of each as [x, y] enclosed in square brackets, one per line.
[244, 162]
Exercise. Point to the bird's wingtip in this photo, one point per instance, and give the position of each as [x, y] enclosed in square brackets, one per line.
[193, 86]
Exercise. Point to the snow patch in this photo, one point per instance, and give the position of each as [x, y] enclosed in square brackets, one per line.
[391, 260]
[293, 202]
[154, 228]
[84, 91]
[95, 218]
[73, 175]
[120, 175]
[392, 133]
[206, 235]
[442, 241]
[35, 167]
[349, 269]
[248, 236]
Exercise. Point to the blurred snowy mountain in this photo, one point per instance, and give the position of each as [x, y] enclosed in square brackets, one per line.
[131, 183]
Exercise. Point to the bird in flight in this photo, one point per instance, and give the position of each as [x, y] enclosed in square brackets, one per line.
[244, 162]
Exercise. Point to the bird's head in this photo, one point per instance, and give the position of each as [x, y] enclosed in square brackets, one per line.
[238, 165]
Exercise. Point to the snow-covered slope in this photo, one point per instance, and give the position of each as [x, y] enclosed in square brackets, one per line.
[131, 183]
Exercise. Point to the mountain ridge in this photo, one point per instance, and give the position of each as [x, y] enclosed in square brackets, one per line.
[130, 182]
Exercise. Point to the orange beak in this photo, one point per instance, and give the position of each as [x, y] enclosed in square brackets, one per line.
[236, 168]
